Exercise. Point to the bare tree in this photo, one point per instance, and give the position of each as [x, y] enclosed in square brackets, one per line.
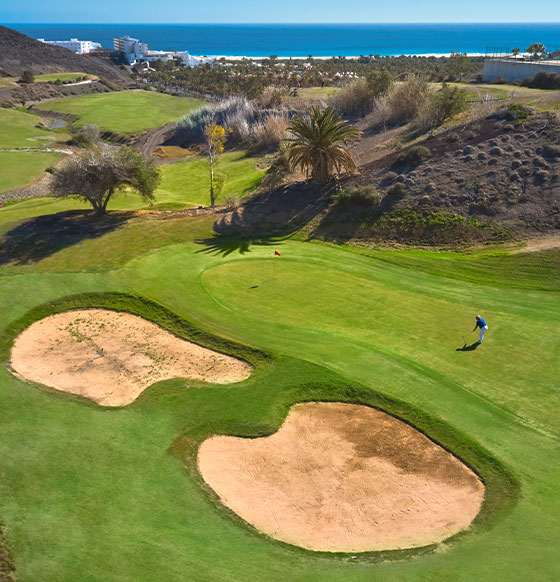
[95, 175]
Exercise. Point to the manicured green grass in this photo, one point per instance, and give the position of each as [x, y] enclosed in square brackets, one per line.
[114, 495]
[184, 184]
[317, 92]
[126, 111]
[188, 182]
[19, 168]
[66, 77]
[18, 130]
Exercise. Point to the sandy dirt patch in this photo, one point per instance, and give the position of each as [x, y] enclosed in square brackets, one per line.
[544, 243]
[112, 357]
[342, 477]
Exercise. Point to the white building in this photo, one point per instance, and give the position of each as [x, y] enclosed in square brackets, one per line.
[80, 47]
[133, 49]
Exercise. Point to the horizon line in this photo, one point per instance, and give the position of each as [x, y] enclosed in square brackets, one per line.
[300, 22]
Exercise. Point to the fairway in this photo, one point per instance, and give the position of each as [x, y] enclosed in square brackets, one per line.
[20, 168]
[19, 130]
[188, 183]
[126, 111]
[183, 185]
[65, 77]
[115, 494]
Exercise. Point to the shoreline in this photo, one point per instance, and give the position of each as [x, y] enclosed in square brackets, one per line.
[326, 58]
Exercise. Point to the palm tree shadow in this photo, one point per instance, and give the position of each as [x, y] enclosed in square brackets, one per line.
[467, 348]
[226, 244]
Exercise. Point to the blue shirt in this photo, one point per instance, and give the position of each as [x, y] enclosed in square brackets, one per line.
[481, 323]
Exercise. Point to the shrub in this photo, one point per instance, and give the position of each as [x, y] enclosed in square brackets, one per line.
[389, 177]
[414, 157]
[27, 76]
[445, 103]
[543, 81]
[407, 98]
[232, 201]
[380, 82]
[355, 99]
[513, 112]
[396, 191]
[269, 133]
[85, 136]
[240, 118]
[361, 196]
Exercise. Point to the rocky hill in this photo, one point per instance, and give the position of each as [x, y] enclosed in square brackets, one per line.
[19, 52]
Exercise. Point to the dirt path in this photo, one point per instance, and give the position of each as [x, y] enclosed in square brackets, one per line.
[343, 478]
[540, 244]
[111, 357]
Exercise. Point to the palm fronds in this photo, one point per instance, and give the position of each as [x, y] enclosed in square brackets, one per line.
[319, 144]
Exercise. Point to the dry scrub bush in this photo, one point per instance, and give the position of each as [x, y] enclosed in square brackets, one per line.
[407, 98]
[263, 129]
[358, 98]
[268, 134]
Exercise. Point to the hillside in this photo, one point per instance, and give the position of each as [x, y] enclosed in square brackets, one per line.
[19, 52]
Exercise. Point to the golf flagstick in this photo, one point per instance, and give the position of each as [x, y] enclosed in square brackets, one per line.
[276, 254]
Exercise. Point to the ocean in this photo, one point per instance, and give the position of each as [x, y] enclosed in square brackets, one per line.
[319, 40]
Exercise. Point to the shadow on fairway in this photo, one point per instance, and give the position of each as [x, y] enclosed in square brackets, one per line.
[225, 244]
[470, 348]
[42, 236]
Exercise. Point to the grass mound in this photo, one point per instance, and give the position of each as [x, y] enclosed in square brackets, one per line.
[125, 112]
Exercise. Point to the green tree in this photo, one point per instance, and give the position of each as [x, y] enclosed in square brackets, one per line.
[515, 51]
[27, 76]
[459, 65]
[319, 144]
[537, 50]
[215, 140]
[96, 174]
[380, 82]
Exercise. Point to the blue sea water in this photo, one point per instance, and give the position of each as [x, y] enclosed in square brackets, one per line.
[310, 39]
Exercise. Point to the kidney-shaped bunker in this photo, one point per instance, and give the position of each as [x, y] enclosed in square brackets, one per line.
[112, 357]
[343, 477]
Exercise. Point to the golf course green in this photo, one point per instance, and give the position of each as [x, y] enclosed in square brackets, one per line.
[124, 111]
[90, 493]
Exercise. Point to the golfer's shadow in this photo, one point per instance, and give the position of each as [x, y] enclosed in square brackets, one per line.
[467, 348]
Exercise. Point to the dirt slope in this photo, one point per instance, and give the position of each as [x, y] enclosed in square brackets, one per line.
[19, 52]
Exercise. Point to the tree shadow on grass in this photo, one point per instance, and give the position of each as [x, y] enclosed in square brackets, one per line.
[42, 236]
[226, 244]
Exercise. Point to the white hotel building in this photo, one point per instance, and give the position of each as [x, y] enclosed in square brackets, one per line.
[80, 47]
[135, 51]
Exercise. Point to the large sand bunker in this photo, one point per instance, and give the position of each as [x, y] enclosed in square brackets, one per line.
[346, 478]
[112, 357]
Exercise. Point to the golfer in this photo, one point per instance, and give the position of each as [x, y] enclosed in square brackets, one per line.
[483, 328]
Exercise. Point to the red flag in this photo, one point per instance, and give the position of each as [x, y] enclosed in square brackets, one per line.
[276, 254]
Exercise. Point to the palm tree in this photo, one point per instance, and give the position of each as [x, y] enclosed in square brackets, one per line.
[318, 143]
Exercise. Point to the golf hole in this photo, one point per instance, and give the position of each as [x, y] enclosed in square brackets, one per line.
[343, 478]
[111, 357]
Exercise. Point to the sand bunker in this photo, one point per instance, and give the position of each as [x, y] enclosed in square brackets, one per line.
[342, 477]
[112, 357]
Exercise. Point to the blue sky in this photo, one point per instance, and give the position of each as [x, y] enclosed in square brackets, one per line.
[165, 11]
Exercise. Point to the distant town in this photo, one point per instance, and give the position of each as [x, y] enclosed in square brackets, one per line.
[131, 49]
